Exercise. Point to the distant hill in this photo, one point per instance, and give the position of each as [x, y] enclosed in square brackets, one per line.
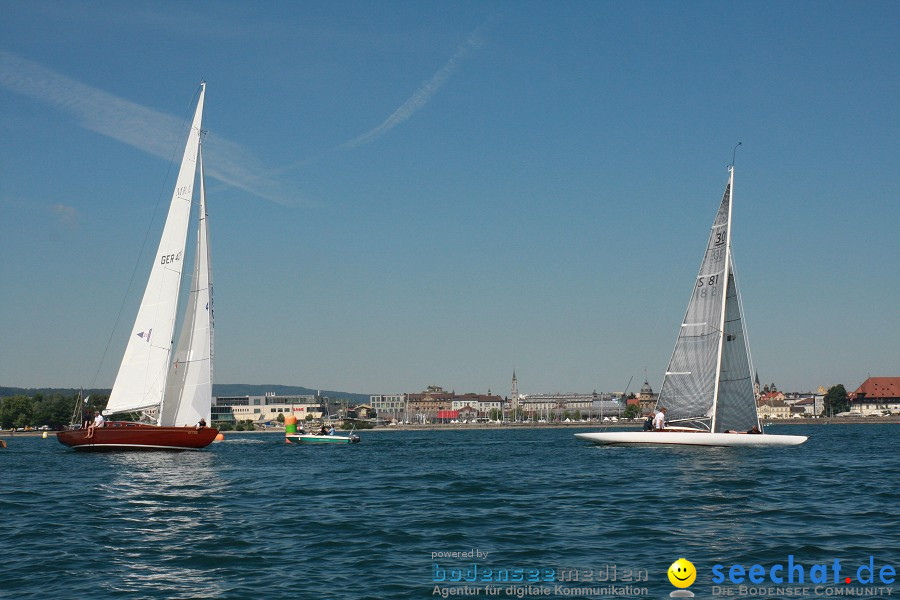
[219, 389]
[14, 391]
[247, 389]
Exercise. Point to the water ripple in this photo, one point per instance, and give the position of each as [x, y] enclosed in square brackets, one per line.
[254, 517]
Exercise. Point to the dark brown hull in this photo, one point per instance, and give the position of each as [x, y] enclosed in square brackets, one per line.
[136, 436]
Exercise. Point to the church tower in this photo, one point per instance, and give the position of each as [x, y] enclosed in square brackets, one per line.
[647, 398]
[756, 385]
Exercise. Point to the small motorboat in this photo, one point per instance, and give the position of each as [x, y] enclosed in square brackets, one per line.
[317, 438]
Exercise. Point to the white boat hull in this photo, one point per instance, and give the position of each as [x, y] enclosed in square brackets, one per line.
[310, 438]
[693, 438]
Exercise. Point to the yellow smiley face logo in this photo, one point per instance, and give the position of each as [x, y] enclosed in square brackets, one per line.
[682, 573]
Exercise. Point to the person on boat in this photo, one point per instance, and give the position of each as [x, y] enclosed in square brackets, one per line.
[201, 423]
[648, 422]
[659, 421]
[99, 421]
[753, 429]
[323, 430]
[331, 430]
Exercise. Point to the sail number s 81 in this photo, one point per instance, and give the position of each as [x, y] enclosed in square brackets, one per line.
[707, 286]
[711, 280]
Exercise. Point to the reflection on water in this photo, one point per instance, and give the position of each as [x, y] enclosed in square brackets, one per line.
[158, 513]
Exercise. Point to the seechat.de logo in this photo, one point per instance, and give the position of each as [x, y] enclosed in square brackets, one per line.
[795, 572]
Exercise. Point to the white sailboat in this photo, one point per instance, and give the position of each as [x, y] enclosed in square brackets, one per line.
[707, 389]
[174, 383]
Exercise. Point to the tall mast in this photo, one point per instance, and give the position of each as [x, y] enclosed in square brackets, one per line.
[209, 280]
[189, 390]
[726, 273]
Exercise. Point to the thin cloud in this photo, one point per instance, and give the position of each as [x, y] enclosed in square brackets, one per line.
[428, 89]
[66, 215]
[140, 127]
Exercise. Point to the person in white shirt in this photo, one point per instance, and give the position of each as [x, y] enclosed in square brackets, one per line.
[659, 421]
[99, 421]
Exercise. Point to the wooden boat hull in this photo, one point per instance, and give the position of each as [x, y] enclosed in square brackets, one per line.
[308, 438]
[137, 436]
[692, 438]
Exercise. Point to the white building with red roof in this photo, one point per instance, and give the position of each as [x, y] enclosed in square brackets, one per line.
[876, 395]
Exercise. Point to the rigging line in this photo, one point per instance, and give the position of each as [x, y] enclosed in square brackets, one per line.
[144, 243]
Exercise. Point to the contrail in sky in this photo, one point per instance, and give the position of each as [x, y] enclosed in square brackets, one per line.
[155, 132]
[143, 128]
[420, 97]
[428, 89]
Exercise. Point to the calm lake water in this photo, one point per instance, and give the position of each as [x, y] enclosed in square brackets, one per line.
[255, 518]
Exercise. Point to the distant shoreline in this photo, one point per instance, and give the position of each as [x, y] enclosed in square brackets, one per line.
[894, 419]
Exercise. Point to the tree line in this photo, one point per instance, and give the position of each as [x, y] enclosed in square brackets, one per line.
[53, 410]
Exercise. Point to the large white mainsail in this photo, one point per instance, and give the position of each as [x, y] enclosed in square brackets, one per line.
[141, 380]
[189, 390]
[707, 383]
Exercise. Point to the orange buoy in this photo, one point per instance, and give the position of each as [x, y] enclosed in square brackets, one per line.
[290, 426]
[220, 437]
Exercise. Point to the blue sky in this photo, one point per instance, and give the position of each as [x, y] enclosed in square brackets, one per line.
[413, 193]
